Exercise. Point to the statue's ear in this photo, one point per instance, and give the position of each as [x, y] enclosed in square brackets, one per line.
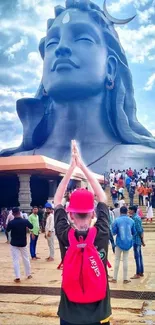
[112, 65]
[42, 47]
[42, 41]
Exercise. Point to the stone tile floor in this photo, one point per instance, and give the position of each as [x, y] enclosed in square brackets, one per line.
[40, 310]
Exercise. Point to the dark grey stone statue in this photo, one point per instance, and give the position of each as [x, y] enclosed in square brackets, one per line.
[86, 94]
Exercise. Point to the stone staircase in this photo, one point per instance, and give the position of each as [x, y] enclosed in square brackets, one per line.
[148, 227]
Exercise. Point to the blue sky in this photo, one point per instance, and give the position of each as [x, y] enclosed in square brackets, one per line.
[23, 23]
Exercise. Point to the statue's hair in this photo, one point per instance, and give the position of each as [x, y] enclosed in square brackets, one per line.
[120, 102]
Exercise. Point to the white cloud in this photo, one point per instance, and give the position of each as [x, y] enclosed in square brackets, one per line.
[35, 64]
[16, 47]
[150, 83]
[10, 125]
[45, 11]
[27, 4]
[144, 16]
[43, 8]
[15, 142]
[25, 28]
[119, 5]
[138, 43]
[31, 70]
[7, 116]
[141, 3]
[153, 132]
[151, 57]
[8, 99]
[7, 92]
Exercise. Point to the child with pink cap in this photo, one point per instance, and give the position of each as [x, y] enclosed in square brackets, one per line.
[85, 295]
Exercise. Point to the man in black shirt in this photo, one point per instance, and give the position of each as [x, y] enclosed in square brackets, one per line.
[77, 313]
[18, 228]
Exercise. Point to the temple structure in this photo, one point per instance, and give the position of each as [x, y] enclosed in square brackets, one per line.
[32, 180]
[86, 93]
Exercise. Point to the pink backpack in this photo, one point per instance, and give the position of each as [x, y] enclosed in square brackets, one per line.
[84, 275]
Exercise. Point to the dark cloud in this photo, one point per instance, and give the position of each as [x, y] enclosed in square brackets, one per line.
[8, 8]
[10, 130]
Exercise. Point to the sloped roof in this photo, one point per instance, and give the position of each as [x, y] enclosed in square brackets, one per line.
[39, 163]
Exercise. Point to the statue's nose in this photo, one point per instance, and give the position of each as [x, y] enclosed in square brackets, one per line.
[63, 50]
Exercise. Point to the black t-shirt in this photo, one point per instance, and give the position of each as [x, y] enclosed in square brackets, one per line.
[18, 228]
[114, 194]
[84, 313]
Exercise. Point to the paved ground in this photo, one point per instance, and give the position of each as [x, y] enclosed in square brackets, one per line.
[40, 310]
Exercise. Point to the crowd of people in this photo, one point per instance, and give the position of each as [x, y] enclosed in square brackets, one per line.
[84, 225]
[17, 224]
[6, 215]
[141, 183]
[126, 225]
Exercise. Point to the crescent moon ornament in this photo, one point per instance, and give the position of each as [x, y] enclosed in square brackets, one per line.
[115, 20]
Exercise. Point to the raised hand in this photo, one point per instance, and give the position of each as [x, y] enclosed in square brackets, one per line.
[73, 155]
[76, 153]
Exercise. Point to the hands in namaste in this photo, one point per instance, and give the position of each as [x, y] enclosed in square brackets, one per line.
[76, 159]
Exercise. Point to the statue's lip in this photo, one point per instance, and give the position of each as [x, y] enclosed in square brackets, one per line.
[64, 61]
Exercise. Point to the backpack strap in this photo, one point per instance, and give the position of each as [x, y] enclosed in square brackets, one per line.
[89, 239]
[91, 236]
[71, 237]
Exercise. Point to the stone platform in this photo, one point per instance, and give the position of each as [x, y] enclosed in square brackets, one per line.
[41, 308]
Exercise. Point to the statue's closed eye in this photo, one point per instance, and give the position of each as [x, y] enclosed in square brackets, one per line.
[86, 39]
[52, 42]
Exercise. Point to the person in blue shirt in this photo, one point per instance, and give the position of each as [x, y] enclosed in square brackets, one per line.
[138, 242]
[124, 229]
[127, 183]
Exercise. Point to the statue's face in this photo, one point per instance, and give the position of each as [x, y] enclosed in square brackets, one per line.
[75, 56]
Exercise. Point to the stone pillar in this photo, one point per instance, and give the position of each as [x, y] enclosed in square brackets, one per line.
[24, 192]
[52, 190]
[78, 184]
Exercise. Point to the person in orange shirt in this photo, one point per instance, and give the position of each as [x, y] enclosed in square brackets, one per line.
[141, 193]
[146, 193]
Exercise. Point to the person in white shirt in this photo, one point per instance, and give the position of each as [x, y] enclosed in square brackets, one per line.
[144, 176]
[121, 192]
[121, 202]
[139, 183]
[149, 210]
[140, 172]
[118, 175]
[116, 210]
[49, 231]
[25, 215]
[10, 217]
[112, 176]
[111, 183]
